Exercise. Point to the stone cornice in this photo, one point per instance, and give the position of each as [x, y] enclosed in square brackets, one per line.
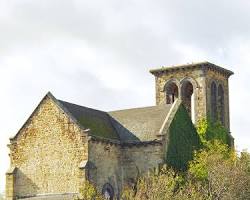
[125, 144]
[199, 65]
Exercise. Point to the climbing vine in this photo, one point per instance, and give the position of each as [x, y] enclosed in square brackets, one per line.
[183, 140]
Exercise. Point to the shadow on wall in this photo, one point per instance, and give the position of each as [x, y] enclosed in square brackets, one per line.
[124, 133]
[24, 186]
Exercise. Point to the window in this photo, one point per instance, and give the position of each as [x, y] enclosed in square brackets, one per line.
[108, 192]
[171, 92]
[221, 106]
[213, 101]
[187, 92]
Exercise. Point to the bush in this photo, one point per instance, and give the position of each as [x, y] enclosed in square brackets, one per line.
[89, 192]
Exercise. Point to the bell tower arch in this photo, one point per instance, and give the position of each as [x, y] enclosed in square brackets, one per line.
[202, 87]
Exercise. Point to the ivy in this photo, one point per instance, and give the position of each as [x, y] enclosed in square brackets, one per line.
[183, 140]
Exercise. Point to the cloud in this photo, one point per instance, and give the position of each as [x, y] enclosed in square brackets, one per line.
[98, 53]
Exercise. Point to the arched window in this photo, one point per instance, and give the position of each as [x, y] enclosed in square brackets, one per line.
[187, 96]
[171, 92]
[221, 106]
[108, 192]
[213, 101]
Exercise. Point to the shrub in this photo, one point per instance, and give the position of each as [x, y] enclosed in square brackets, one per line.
[89, 192]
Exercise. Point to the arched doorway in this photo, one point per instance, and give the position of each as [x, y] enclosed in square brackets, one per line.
[172, 92]
[213, 101]
[187, 97]
[108, 192]
[221, 107]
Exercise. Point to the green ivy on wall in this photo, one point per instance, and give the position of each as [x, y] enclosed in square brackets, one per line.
[183, 139]
[209, 130]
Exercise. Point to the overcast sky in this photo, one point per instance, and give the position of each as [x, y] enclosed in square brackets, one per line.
[98, 54]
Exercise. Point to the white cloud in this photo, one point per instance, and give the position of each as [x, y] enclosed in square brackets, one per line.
[98, 53]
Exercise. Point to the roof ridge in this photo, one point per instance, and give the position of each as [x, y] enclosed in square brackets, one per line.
[127, 109]
[82, 106]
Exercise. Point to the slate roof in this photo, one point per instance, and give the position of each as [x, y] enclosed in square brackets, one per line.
[130, 125]
[97, 121]
[141, 124]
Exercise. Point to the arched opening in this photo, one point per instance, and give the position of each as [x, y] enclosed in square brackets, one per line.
[171, 92]
[108, 192]
[213, 101]
[187, 97]
[221, 106]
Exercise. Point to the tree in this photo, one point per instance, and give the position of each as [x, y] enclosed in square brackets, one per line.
[216, 172]
[222, 174]
[209, 131]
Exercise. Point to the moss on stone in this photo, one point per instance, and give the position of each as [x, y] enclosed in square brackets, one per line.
[98, 127]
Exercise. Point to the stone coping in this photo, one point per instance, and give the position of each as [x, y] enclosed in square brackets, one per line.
[205, 64]
[129, 144]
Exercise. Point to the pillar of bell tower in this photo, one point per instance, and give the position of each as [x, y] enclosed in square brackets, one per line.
[202, 87]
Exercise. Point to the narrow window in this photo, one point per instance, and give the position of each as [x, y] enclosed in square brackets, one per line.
[187, 96]
[221, 105]
[213, 101]
[171, 93]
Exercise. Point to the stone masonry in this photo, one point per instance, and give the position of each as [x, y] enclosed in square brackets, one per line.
[47, 151]
[200, 75]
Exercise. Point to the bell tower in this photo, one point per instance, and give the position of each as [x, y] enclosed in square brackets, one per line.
[203, 88]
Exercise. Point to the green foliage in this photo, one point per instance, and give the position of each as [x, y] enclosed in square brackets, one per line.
[222, 174]
[89, 192]
[167, 185]
[209, 130]
[148, 187]
[198, 167]
[183, 140]
[216, 173]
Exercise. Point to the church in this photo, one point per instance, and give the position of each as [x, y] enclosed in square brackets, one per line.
[62, 144]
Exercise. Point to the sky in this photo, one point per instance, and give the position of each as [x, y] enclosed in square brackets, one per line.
[98, 54]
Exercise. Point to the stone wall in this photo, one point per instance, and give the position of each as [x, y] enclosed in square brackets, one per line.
[201, 80]
[195, 76]
[140, 159]
[47, 152]
[222, 79]
[120, 165]
[104, 165]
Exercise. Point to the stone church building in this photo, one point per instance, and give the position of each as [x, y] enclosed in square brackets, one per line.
[62, 144]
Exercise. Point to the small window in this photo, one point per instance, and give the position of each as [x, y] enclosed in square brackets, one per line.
[221, 106]
[108, 192]
[213, 101]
